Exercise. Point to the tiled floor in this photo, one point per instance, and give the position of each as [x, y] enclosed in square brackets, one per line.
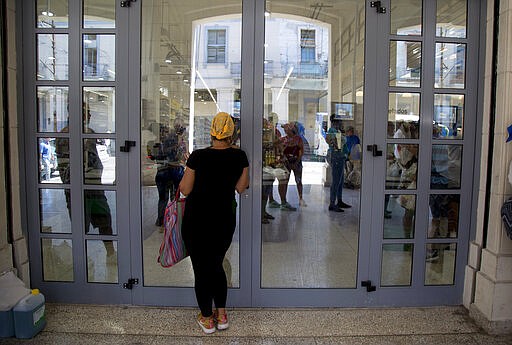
[112, 325]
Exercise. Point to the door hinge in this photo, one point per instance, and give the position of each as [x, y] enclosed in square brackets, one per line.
[127, 3]
[368, 285]
[378, 6]
[131, 282]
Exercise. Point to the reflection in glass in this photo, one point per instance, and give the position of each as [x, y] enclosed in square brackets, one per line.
[101, 261]
[446, 166]
[99, 13]
[402, 166]
[444, 215]
[406, 17]
[52, 14]
[48, 161]
[100, 212]
[99, 103]
[52, 108]
[54, 211]
[450, 69]
[451, 18]
[405, 63]
[403, 115]
[52, 57]
[99, 60]
[62, 161]
[396, 264]
[399, 216]
[305, 110]
[99, 161]
[197, 76]
[440, 263]
[57, 257]
[448, 116]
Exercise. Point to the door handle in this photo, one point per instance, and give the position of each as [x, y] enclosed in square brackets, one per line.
[375, 152]
[127, 145]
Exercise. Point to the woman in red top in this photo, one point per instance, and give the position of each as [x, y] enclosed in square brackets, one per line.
[293, 149]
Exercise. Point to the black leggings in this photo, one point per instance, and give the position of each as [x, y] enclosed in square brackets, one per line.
[210, 281]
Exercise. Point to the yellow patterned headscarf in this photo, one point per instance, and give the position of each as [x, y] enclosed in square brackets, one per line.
[222, 126]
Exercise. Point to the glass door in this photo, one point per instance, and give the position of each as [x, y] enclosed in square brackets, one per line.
[191, 69]
[427, 104]
[76, 121]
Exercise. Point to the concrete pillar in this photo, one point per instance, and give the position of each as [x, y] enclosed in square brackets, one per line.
[488, 284]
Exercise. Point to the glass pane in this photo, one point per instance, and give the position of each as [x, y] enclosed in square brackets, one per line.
[188, 75]
[59, 161]
[99, 61]
[446, 166]
[312, 117]
[450, 69]
[444, 215]
[404, 63]
[404, 115]
[99, 13]
[406, 17]
[99, 103]
[57, 259]
[101, 261]
[451, 18]
[399, 215]
[52, 57]
[100, 212]
[99, 161]
[440, 263]
[48, 161]
[402, 166]
[52, 108]
[52, 14]
[396, 264]
[54, 208]
[448, 116]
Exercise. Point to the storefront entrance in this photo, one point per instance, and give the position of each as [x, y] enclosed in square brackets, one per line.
[358, 118]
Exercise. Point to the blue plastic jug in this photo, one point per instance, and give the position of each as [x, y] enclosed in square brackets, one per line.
[29, 315]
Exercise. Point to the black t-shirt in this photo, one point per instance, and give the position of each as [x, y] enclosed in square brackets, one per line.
[216, 175]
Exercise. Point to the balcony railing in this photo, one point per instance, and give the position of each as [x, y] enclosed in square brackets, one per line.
[313, 70]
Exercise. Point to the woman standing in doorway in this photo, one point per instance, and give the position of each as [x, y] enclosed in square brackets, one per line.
[211, 177]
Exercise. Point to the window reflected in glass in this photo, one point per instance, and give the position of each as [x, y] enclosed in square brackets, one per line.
[54, 208]
[52, 108]
[406, 17]
[440, 263]
[446, 166]
[99, 14]
[52, 57]
[448, 116]
[99, 107]
[52, 14]
[444, 215]
[450, 68]
[396, 264]
[405, 63]
[451, 18]
[99, 60]
[101, 261]
[403, 115]
[99, 161]
[57, 255]
[100, 212]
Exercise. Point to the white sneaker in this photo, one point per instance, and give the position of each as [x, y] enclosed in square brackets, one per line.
[302, 203]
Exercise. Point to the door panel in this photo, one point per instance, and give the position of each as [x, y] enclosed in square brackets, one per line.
[73, 129]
